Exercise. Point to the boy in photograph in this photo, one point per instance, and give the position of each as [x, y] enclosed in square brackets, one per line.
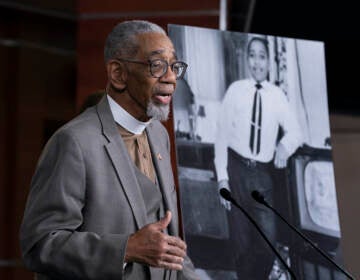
[246, 151]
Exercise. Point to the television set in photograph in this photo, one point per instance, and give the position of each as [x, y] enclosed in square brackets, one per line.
[315, 193]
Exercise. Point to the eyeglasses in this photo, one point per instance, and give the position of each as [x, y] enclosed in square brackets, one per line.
[159, 67]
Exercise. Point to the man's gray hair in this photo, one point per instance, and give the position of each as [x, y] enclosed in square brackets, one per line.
[122, 39]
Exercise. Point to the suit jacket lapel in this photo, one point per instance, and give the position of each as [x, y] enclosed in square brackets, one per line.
[161, 159]
[121, 162]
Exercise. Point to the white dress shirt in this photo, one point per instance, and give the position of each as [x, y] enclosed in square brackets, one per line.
[233, 127]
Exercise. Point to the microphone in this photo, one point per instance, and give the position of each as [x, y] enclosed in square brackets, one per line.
[226, 194]
[260, 199]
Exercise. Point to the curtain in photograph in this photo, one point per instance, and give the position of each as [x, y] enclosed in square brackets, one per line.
[204, 50]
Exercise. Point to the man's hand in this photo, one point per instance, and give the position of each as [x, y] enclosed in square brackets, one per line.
[281, 156]
[224, 184]
[151, 246]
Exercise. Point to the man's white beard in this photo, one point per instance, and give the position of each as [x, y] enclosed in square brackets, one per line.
[158, 112]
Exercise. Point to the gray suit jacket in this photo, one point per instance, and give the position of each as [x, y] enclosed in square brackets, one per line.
[85, 201]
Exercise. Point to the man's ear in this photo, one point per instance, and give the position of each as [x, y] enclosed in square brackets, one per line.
[117, 74]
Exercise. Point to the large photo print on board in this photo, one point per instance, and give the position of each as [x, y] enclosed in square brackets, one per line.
[252, 114]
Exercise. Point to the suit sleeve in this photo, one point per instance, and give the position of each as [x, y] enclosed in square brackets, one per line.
[50, 236]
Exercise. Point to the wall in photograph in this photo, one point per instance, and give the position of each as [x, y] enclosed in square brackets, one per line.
[252, 114]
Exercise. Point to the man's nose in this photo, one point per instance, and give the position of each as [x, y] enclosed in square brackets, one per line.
[169, 75]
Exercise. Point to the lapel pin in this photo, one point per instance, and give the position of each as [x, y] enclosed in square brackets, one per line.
[159, 157]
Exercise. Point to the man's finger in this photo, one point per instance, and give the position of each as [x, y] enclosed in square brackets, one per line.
[228, 205]
[175, 241]
[163, 222]
[280, 163]
[169, 258]
[170, 265]
[175, 251]
[277, 161]
[225, 203]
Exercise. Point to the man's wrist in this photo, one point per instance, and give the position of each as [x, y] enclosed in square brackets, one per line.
[223, 184]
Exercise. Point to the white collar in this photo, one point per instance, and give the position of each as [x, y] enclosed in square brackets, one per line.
[124, 119]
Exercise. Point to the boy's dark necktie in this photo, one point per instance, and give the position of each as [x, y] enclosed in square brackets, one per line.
[256, 124]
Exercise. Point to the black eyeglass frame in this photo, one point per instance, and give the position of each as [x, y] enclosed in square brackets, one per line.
[165, 69]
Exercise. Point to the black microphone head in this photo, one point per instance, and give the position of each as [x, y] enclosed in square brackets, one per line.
[258, 197]
[226, 194]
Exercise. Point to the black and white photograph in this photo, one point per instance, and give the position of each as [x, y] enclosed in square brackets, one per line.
[251, 120]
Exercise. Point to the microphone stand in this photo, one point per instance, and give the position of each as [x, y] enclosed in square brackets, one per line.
[260, 199]
[227, 195]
